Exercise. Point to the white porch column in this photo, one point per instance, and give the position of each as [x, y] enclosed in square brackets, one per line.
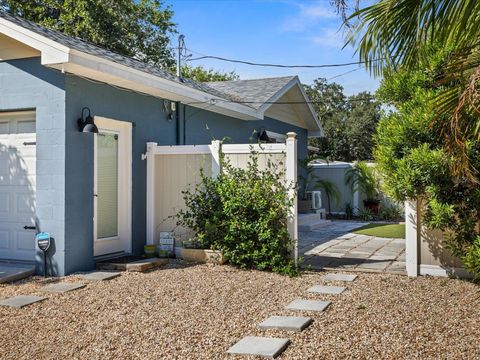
[151, 146]
[291, 178]
[412, 236]
[215, 148]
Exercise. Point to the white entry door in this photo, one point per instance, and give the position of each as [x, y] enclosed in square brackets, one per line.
[17, 185]
[112, 187]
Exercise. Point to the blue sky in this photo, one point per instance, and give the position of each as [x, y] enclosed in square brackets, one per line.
[269, 31]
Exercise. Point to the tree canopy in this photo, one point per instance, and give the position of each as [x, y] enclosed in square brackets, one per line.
[393, 34]
[349, 122]
[139, 29]
[199, 73]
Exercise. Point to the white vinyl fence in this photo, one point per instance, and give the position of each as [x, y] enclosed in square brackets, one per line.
[173, 169]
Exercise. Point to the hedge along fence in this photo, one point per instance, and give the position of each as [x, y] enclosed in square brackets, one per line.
[173, 169]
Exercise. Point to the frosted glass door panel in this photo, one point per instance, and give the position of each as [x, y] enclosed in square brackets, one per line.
[107, 185]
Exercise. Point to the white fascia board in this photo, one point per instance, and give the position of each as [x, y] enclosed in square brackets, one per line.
[318, 125]
[315, 129]
[103, 70]
[52, 52]
[279, 94]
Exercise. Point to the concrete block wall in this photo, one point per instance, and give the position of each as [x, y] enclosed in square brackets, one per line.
[26, 84]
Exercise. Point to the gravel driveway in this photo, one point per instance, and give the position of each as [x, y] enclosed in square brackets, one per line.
[198, 312]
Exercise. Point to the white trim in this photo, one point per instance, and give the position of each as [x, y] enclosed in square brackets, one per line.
[412, 230]
[51, 51]
[181, 149]
[437, 270]
[124, 129]
[291, 179]
[108, 71]
[316, 130]
[286, 88]
[150, 192]
[260, 148]
[215, 149]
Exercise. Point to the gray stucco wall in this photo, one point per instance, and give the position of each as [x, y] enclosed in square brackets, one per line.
[65, 157]
[151, 124]
[335, 174]
[26, 84]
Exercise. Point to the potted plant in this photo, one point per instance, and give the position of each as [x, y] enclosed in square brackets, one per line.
[362, 178]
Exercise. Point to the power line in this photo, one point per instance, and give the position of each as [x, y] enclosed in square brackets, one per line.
[213, 101]
[279, 65]
[342, 74]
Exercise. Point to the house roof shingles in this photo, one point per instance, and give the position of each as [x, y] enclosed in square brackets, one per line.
[95, 50]
[252, 92]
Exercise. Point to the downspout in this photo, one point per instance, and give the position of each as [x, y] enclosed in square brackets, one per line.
[184, 124]
[177, 124]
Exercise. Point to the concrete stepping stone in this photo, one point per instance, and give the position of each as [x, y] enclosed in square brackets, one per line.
[259, 346]
[62, 287]
[308, 305]
[339, 277]
[99, 276]
[325, 289]
[21, 301]
[290, 323]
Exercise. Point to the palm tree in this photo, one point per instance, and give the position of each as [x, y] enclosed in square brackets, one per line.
[397, 33]
[331, 191]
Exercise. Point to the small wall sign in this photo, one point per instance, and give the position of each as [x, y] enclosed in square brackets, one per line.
[43, 241]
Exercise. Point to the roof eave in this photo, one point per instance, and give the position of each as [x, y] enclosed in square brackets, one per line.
[63, 58]
[314, 126]
[99, 69]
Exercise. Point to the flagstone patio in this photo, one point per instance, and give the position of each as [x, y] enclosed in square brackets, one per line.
[336, 247]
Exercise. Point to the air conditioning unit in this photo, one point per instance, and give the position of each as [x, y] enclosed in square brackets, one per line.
[316, 199]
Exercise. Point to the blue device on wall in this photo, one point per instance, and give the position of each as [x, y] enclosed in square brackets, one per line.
[43, 242]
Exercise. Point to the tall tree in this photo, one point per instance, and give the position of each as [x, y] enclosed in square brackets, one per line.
[136, 28]
[363, 118]
[201, 74]
[348, 122]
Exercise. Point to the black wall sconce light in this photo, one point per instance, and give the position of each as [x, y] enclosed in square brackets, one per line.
[86, 124]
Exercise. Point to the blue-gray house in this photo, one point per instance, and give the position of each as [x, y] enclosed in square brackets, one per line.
[51, 167]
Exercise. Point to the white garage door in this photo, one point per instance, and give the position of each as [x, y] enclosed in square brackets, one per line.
[17, 185]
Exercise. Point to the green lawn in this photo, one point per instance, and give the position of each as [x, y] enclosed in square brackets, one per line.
[383, 230]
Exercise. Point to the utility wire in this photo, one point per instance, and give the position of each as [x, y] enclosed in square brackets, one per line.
[280, 65]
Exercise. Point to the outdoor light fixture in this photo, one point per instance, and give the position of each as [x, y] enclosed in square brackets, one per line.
[87, 125]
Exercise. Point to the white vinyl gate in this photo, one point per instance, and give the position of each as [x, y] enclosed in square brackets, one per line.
[171, 169]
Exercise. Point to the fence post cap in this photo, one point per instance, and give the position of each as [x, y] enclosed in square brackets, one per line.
[292, 135]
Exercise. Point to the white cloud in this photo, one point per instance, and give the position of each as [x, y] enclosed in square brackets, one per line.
[330, 38]
[309, 15]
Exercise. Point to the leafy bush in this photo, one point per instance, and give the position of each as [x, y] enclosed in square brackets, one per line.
[366, 214]
[243, 213]
[390, 213]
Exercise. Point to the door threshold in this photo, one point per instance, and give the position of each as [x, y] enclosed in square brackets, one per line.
[115, 255]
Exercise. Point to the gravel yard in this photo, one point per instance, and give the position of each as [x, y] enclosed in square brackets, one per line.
[198, 312]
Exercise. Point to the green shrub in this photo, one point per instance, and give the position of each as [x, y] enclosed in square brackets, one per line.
[366, 214]
[391, 212]
[243, 213]
[410, 155]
